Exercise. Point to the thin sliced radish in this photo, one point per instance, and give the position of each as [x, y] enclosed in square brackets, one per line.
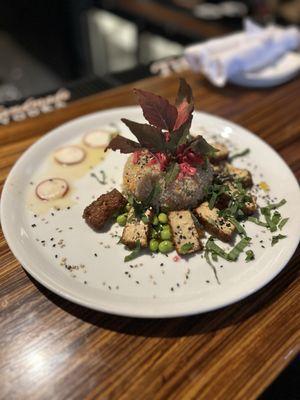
[69, 155]
[97, 139]
[52, 189]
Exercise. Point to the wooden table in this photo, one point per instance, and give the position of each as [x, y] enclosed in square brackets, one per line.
[52, 349]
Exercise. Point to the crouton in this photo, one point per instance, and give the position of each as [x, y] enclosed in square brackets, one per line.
[184, 232]
[213, 223]
[100, 210]
[137, 229]
[221, 154]
[243, 175]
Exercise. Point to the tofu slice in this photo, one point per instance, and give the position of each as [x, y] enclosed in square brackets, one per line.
[222, 153]
[250, 206]
[184, 231]
[242, 174]
[136, 229]
[213, 223]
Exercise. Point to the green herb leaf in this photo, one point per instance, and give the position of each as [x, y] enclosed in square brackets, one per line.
[134, 253]
[238, 226]
[186, 247]
[240, 154]
[282, 223]
[212, 200]
[145, 219]
[249, 255]
[238, 248]
[214, 248]
[275, 239]
[257, 222]
[172, 173]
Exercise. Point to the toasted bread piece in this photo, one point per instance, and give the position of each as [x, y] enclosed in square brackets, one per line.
[222, 153]
[243, 175]
[136, 229]
[100, 210]
[213, 223]
[184, 232]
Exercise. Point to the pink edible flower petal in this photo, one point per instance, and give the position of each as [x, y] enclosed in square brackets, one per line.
[136, 156]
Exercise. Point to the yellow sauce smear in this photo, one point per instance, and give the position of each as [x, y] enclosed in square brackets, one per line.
[94, 156]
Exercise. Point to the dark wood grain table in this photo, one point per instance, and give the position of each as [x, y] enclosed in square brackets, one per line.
[53, 349]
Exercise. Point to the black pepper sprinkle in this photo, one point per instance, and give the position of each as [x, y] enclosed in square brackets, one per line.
[161, 264]
[95, 254]
[51, 239]
[56, 256]
[33, 225]
[172, 289]
[85, 282]
[137, 282]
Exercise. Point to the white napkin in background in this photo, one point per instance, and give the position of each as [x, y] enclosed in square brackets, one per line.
[252, 49]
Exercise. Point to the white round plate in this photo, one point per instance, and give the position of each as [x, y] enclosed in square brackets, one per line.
[281, 71]
[61, 252]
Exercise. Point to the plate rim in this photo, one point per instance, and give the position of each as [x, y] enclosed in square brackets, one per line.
[113, 309]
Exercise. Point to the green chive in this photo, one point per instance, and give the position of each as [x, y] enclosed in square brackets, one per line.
[249, 256]
[282, 223]
[257, 221]
[134, 253]
[238, 248]
[275, 239]
[186, 247]
[241, 154]
[238, 226]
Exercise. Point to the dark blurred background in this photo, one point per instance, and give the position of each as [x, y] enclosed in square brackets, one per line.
[92, 45]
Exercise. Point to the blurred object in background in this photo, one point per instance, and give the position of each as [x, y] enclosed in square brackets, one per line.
[93, 45]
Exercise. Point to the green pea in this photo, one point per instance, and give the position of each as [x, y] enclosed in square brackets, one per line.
[163, 218]
[165, 234]
[153, 245]
[165, 246]
[122, 219]
[155, 221]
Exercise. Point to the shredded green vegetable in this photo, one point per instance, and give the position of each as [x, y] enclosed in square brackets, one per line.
[257, 221]
[186, 247]
[240, 154]
[238, 249]
[275, 239]
[238, 226]
[249, 255]
[282, 223]
[134, 253]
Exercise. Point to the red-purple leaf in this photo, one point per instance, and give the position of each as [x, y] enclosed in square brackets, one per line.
[184, 103]
[157, 111]
[124, 145]
[148, 136]
[179, 135]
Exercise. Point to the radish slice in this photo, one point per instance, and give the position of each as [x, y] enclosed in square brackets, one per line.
[97, 139]
[52, 189]
[69, 155]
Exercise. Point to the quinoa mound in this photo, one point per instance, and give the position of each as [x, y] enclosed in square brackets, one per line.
[184, 192]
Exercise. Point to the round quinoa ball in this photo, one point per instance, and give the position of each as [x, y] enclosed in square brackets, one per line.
[184, 192]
